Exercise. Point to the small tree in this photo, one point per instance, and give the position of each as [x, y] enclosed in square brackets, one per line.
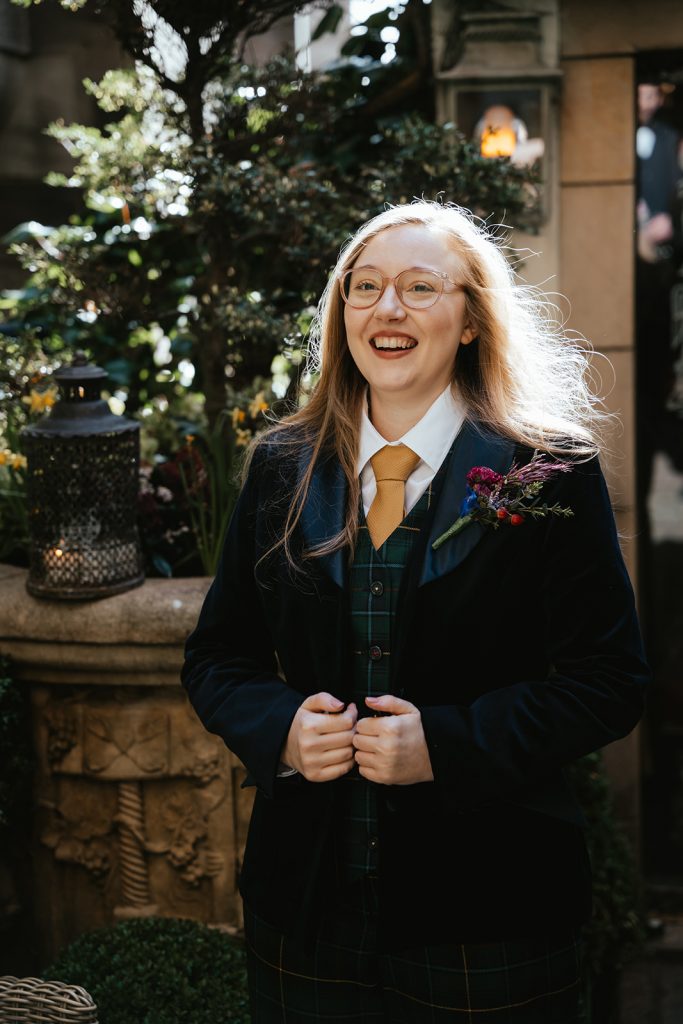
[217, 197]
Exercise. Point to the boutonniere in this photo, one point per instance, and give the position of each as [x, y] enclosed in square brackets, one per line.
[497, 499]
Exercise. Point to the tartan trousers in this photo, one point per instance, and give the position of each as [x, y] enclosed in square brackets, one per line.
[344, 978]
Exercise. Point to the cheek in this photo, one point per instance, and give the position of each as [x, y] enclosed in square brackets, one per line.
[353, 327]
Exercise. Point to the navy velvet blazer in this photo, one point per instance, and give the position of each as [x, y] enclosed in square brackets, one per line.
[521, 648]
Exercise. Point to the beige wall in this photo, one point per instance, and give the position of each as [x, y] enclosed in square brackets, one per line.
[45, 53]
[593, 27]
[597, 239]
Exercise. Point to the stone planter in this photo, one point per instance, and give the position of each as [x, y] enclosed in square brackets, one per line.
[137, 809]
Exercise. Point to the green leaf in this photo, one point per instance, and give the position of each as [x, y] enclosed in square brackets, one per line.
[329, 22]
[161, 565]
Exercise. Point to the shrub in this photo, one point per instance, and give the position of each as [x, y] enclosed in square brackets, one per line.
[617, 928]
[158, 970]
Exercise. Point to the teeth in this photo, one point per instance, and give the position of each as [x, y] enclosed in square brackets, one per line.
[394, 342]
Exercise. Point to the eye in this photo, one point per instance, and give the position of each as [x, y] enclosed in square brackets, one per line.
[367, 285]
[419, 283]
[423, 287]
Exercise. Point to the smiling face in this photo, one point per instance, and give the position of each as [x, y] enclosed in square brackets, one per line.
[400, 351]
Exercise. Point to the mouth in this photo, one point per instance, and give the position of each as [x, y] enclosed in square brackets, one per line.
[397, 341]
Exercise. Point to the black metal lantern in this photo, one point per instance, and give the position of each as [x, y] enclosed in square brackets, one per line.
[82, 486]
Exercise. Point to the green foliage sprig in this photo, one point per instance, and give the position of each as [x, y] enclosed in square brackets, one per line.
[210, 484]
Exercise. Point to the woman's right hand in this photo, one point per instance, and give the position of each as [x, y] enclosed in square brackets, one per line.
[320, 739]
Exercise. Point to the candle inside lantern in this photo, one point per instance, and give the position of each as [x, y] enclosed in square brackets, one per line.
[68, 564]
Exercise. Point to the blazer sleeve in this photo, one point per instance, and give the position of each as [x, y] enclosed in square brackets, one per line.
[230, 670]
[594, 692]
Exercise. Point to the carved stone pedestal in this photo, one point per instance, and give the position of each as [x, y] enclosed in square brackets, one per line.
[138, 810]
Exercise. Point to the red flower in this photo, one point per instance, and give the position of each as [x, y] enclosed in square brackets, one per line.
[483, 475]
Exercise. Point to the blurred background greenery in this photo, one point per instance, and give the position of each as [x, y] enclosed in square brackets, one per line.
[213, 203]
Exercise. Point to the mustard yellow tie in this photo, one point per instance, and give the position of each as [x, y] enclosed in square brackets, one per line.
[392, 465]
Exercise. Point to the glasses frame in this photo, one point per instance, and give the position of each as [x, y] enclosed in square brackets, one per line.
[442, 277]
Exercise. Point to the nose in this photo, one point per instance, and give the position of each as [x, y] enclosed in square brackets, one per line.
[389, 306]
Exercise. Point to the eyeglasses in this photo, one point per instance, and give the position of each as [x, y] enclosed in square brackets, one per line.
[416, 288]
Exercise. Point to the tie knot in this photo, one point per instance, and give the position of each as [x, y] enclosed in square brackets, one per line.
[394, 462]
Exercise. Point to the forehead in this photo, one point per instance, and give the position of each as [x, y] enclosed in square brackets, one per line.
[410, 245]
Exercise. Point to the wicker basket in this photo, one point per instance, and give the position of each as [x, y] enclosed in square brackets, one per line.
[44, 1002]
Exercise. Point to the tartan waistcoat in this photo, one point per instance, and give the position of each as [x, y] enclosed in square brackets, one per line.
[374, 581]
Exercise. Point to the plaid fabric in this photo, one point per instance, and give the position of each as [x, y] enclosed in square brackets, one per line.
[375, 578]
[344, 979]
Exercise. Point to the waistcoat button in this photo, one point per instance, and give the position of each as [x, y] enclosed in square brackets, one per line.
[377, 588]
[375, 653]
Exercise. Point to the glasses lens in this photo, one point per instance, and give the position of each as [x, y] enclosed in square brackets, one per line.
[361, 288]
[418, 288]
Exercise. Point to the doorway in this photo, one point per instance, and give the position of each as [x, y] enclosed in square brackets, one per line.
[659, 432]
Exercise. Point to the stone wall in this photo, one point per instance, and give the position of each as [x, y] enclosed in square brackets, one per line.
[138, 810]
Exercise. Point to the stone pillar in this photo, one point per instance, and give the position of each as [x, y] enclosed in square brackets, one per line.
[138, 810]
[597, 210]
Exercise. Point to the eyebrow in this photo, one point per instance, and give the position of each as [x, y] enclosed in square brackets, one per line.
[371, 266]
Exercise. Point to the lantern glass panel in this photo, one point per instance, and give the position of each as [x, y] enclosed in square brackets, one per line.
[503, 121]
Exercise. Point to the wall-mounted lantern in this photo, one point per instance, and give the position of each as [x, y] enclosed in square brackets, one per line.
[498, 81]
[82, 486]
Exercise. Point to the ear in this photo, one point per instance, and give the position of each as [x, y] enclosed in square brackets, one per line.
[469, 333]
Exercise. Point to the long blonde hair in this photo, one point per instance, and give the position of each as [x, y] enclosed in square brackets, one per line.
[523, 377]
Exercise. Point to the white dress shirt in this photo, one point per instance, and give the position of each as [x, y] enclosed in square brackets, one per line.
[430, 438]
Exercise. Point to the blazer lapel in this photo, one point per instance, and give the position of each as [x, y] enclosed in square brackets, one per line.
[324, 512]
[474, 446]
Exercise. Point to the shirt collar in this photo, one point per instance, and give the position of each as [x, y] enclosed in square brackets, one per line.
[430, 438]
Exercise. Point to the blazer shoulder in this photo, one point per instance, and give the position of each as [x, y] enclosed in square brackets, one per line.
[274, 460]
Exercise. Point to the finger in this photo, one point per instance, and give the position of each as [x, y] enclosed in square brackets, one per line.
[329, 758]
[369, 726]
[363, 742]
[366, 758]
[338, 723]
[394, 705]
[370, 773]
[333, 741]
[316, 757]
[322, 702]
[327, 772]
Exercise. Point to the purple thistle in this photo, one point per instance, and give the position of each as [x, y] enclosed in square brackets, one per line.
[535, 470]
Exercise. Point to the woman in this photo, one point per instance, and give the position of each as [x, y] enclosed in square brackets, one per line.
[404, 703]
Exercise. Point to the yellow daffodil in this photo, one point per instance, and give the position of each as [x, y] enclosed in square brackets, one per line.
[18, 461]
[238, 416]
[4, 454]
[39, 401]
[243, 437]
[258, 404]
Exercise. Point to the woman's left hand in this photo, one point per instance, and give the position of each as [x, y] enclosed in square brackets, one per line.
[391, 748]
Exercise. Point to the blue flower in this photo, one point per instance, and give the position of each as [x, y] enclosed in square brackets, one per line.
[469, 503]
